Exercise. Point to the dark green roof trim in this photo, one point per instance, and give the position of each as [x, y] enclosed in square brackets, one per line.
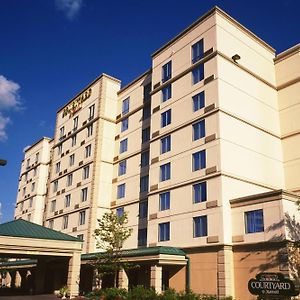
[26, 229]
[16, 263]
[139, 252]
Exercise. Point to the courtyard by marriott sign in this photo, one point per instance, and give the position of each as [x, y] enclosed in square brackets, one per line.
[272, 284]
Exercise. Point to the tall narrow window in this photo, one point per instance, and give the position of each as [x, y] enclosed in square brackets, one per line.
[199, 160]
[142, 237]
[121, 191]
[200, 226]
[84, 194]
[61, 132]
[147, 92]
[164, 201]
[57, 167]
[53, 206]
[37, 157]
[164, 232]
[32, 186]
[88, 151]
[120, 212]
[55, 186]
[143, 210]
[51, 224]
[165, 144]
[125, 106]
[69, 179]
[198, 73]
[144, 184]
[146, 135]
[254, 221]
[197, 51]
[199, 130]
[24, 191]
[90, 130]
[199, 192]
[167, 71]
[28, 163]
[91, 111]
[122, 168]
[166, 92]
[71, 160]
[68, 200]
[75, 123]
[165, 172]
[123, 145]
[65, 222]
[145, 159]
[124, 124]
[73, 142]
[82, 217]
[146, 112]
[86, 172]
[166, 118]
[198, 101]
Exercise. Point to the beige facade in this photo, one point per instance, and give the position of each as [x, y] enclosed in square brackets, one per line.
[201, 150]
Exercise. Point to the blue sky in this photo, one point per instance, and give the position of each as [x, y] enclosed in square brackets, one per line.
[51, 49]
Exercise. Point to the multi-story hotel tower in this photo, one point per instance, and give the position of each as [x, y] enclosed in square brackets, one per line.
[201, 151]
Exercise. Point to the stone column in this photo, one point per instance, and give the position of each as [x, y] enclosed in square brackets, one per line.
[13, 274]
[123, 280]
[225, 272]
[156, 278]
[40, 275]
[74, 274]
[7, 280]
[97, 282]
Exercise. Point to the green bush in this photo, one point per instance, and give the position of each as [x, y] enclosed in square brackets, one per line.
[141, 293]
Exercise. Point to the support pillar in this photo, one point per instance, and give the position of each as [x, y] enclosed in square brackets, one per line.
[40, 276]
[97, 282]
[74, 274]
[123, 280]
[13, 274]
[225, 275]
[156, 278]
[7, 280]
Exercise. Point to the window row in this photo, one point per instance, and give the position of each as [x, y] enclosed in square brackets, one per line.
[37, 156]
[65, 220]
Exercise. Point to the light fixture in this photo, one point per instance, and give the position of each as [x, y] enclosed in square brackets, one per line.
[3, 162]
[235, 57]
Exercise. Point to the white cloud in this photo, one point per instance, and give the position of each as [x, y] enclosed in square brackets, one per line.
[3, 122]
[70, 7]
[9, 94]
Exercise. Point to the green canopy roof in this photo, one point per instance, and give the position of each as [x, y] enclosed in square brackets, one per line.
[26, 229]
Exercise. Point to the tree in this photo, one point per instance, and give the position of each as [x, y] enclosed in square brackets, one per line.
[110, 236]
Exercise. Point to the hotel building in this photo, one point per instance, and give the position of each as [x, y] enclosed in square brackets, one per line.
[201, 151]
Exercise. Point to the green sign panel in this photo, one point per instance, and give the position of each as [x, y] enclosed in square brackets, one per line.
[267, 285]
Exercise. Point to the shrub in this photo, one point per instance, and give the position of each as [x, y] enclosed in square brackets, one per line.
[141, 293]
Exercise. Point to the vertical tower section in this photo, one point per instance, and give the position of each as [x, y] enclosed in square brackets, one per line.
[33, 180]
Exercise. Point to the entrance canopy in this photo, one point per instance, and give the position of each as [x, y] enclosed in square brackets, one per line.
[23, 239]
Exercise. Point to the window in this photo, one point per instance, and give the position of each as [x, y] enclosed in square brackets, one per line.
[144, 184]
[123, 145]
[164, 232]
[71, 160]
[91, 111]
[65, 222]
[75, 124]
[165, 144]
[80, 236]
[57, 167]
[199, 130]
[55, 186]
[73, 142]
[120, 212]
[254, 221]
[90, 130]
[22, 206]
[82, 217]
[30, 202]
[51, 224]
[69, 179]
[32, 186]
[28, 217]
[146, 112]
[88, 151]
[199, 160]
[165, 172]
[197, 51]
[28, 162]
[121, 191]
[59, 149]
[26, 177]
[37, 157]
[166, 118]
[199, 192]
[68, 200]
[35, 171]
[198, 74]
[166, 93]
[24, 191]
[145, 159]
[143, 210]
[142, 237]
[53, 206]
[86, 172]
[84, 194]
[125, 106]
[61, 132]
[166, 71]
[147, 91]
[164, 201]
[198, 101]
[124, 124]
[200, 226]
[122, 168]
[145, 134]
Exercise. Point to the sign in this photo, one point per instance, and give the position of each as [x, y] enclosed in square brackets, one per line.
[76, 104]
[272, 284]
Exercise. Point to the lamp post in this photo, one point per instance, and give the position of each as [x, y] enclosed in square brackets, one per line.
[3, 162]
